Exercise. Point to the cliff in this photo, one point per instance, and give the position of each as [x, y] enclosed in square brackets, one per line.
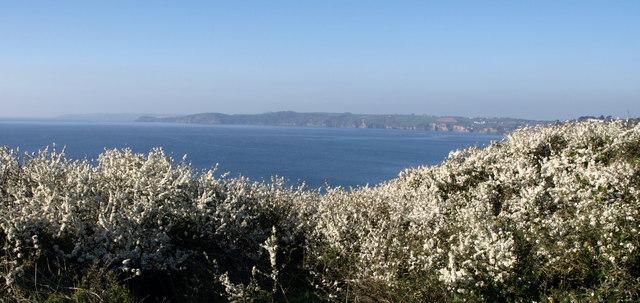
[349, 120]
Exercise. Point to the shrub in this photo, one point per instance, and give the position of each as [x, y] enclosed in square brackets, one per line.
[550, 213]
[151, 220]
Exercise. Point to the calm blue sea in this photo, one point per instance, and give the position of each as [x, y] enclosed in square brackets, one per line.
[337, 156]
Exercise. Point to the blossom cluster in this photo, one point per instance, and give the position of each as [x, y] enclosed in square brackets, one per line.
[139, 213]
[544, 206]
[555, 207]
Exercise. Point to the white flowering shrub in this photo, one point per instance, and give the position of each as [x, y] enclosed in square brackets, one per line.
[141, 213]
[551, 213]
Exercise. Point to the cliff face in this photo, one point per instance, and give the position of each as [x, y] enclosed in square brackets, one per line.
[349, 120]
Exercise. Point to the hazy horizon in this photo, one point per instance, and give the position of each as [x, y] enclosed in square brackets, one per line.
[124, 116]
[543, 60]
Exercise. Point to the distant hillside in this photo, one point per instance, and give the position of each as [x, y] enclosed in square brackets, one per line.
[349, 120]
[101, 117]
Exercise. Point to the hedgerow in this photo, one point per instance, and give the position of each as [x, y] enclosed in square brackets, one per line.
[547, 214]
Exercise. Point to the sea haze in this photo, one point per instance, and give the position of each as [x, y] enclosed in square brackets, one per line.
[317, 156]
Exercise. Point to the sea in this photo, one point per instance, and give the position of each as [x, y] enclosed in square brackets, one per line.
[317, 156]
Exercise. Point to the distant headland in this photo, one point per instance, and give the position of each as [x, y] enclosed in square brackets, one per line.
[350, 120]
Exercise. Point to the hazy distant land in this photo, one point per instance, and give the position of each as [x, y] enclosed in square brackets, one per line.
[349, 120]
[105, 117]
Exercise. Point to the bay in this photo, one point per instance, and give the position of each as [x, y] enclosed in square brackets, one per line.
[318, 156]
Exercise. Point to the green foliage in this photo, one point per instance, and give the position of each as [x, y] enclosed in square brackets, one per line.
[94, 284]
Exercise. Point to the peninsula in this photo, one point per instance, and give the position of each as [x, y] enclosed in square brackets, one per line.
[349, 120]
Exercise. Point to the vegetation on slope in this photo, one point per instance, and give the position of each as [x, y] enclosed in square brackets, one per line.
[349, 120]
[549, 214]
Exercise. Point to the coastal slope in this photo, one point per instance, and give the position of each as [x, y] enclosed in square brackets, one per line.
[350, 120]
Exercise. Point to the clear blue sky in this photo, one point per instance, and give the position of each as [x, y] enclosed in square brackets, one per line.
[526, 59]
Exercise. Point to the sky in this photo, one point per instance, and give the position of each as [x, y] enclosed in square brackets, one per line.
[546, 60]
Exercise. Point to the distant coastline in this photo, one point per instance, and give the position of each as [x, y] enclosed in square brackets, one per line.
[349, 120]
